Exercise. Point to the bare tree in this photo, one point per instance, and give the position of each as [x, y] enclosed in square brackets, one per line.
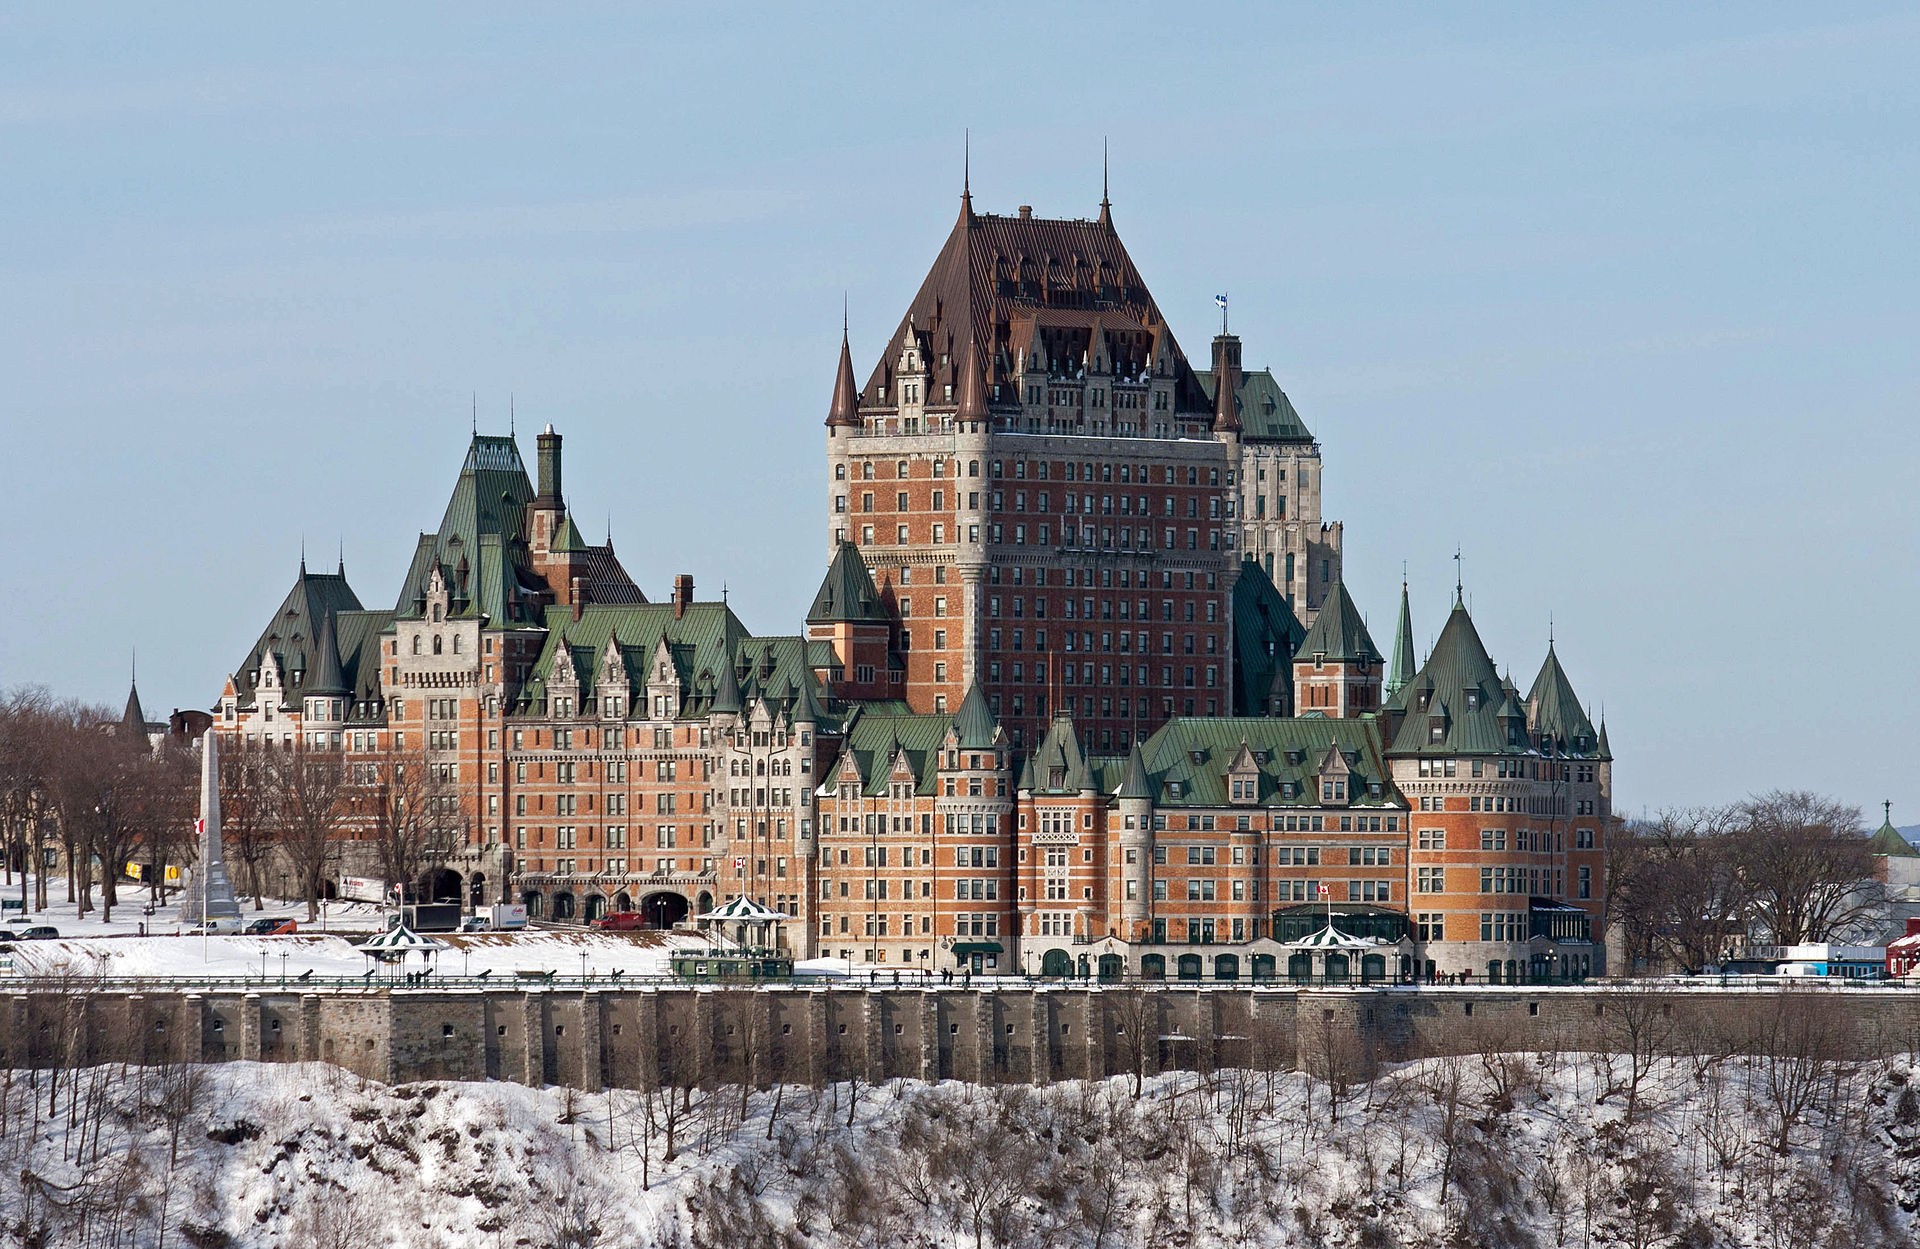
[159, 805]
[247, 823]
[310, 805]
[1636, 1024]
[100, 788]
[1136, 1014]
[1807, 865]
[402, 808]
[1676, 888]
[30, 723]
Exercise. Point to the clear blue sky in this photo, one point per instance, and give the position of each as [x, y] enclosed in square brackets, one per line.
[1619, 299]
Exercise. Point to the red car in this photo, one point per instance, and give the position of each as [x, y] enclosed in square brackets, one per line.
[271, 927]
[621, 921]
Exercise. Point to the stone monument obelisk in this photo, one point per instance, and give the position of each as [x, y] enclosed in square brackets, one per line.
[209, 894]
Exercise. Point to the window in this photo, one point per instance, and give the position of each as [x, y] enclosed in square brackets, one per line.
[1429, 880]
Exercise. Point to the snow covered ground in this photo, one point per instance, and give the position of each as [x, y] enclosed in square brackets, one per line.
[130, 917]
[1507, 1150]
[566, 953]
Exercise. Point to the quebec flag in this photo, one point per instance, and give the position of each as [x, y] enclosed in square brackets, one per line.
[1221, 300]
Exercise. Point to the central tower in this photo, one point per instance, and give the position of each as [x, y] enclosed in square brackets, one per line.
[1042, 487]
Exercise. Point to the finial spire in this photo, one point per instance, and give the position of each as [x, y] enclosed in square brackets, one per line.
[340, 569]
[510, 429]
[966, 172]
[476, 412]
[1459, 582]
[1887, 810]
[303, 554]
[1106, 206]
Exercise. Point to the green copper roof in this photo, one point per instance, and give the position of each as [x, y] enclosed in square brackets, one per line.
[848, 593]
[478, 545]
[1286, 754]
[1134, 782]
[567, 538]
[1453, 703]
[975, 723]
[1338, 632]
[327, 676]
[1401, 670]
[134, 719]
[1059, 765]
[1266, 414]
[1266, 635]
[1554, 709]
[1888, 841]
[874, 741]
[291, 635]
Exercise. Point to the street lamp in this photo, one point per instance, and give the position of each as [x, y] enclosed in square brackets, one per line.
[283, 888]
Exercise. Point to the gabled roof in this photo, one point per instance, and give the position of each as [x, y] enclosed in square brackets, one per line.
[1266, 414]
[847, 593]
[1286, 751]
[1059, 765]
[1266, 636]
[567, 539]
[873, 742]
[1339, 633]
[1554, 709]
[975, 723]
[1006, 284]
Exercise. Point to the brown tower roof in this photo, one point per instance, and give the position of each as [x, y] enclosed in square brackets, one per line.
[1001, 284]
[846, 398]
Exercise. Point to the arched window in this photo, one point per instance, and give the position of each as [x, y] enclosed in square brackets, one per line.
[973, 468]
[436, 643]
[456, 643]
[416, 643]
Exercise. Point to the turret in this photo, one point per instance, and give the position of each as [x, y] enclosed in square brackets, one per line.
[1135, 796]
[1226, 384]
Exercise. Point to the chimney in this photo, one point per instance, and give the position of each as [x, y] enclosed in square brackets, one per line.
[682, 594]
[1026, 212]
[579, 594]
[549, 456]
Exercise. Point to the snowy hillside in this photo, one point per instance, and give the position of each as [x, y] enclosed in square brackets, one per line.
[1495, 1151]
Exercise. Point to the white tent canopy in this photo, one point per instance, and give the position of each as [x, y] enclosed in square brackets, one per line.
[397, 942]
[1329, 938]
[742, 910]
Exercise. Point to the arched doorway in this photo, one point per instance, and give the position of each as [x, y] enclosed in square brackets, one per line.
[704, 902]
[1226, 967]
[1373, 968]
[1263, 966]
[663, 910]
[1300, 968]
[1153, 966]
[477, 890]
[1056, 963]
[596, 906]
[1112, 967]
[440, 885]
[1338, 968]
[622, 902]
[536, 905]
[563, 905]
[1189, 967]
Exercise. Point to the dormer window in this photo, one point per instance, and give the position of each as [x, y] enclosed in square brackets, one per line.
[1196, 755]
[1173, 789]
[1436, 730]
[1473, 700]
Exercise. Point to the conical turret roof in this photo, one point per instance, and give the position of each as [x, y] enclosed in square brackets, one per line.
[1888, 841]
[1555, 710]
[975, 723]
[847, 593]
[1134, 782]
[1059, 765]
[1401, 670]
[134, 719]
[1452, 704]
[845, 409]
[328, 677]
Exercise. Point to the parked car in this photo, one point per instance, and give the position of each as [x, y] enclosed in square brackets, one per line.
[477, 923]
[270, 927]
[39, 932]
[621, 921]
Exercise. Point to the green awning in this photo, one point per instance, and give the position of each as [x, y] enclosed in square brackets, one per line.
[961, 949]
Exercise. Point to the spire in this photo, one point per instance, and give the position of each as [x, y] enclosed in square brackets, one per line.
[133, 721]
[1400, 672]
[966, 174]
[340, 569]
[973, 388]
[846, 392]
[1106, 207]
[1459, 584]
[327, 677]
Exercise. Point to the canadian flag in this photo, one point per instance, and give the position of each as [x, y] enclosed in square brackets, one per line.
[1321, 889]
[199, 827]
[739, 865]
